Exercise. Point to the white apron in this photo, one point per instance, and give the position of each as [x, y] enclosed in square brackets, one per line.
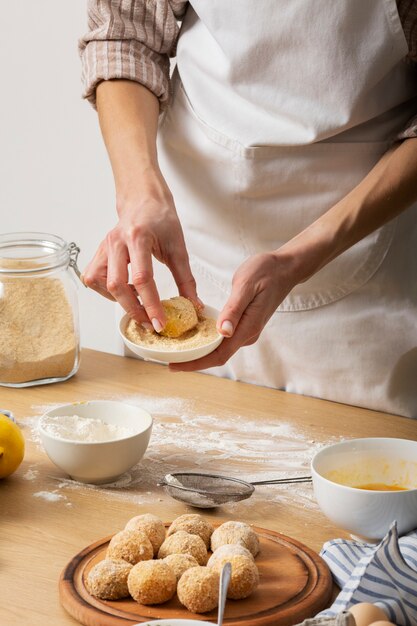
[280, 108]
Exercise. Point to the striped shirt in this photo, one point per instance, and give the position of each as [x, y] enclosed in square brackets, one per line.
[134, 40]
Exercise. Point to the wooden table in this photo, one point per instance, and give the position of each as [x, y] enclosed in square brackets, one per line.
[44, 521]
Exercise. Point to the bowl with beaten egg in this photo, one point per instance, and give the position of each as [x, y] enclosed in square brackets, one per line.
[363, 485]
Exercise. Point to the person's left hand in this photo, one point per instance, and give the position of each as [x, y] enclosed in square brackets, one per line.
[259, 286]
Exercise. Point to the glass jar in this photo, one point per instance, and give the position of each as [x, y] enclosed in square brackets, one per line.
[39, 327]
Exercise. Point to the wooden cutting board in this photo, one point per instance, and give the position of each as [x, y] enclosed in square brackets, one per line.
[295, 583]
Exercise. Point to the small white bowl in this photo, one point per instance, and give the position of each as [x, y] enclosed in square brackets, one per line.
[337, 468]
[172, 356]
[100, 462]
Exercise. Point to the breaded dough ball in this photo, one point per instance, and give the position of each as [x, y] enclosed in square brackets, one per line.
[152, 526]
[151, 582]
[194, 524]
[181, 316]
[198, 589]
[107, 580]
[179, 563]
[244, 578]
[228, 550]
[131, 546]
[184, 543]
[235, 532]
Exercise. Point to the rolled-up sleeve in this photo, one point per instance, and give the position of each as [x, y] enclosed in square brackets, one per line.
[130, 39]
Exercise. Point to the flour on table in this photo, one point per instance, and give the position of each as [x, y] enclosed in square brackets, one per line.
[50, 496]
[184, 439]
[155, 405]
[31, 473]
[31, 424]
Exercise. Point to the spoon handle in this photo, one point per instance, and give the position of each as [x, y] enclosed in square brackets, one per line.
[284, 481]
[224, 584]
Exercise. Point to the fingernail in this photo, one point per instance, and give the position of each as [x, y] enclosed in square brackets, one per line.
[157, 325]
[227, 328]
[147, 326]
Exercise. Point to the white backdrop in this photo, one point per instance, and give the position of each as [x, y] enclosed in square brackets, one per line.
[54, 171]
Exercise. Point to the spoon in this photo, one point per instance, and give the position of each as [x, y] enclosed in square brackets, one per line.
[206, 491]
[224, 584]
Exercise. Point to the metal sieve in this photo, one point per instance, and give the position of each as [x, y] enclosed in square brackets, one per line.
[206, 491]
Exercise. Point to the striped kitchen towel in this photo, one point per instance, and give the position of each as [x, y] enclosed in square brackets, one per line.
[384, 574]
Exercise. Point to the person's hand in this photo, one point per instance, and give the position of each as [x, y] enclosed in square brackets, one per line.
[148, 226]
[259, 286]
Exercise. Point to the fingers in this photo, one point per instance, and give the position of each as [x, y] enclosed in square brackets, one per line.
[239, 300]
[136, 244]
[177, 261]
[95, 274]
[143, 281]
[179, 264]
[117, 279]
[241, 321]
[87, 281]
[217, 358]
[246, 333]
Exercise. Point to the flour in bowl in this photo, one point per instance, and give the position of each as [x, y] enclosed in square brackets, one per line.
[84, 429]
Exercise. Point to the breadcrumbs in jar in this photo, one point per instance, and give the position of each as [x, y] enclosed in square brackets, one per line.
[39, 337]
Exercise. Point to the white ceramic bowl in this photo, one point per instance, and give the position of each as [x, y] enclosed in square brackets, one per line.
[172, 356]
[336, 469]
[100, 462]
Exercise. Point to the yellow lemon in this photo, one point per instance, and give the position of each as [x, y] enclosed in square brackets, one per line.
[12, 446]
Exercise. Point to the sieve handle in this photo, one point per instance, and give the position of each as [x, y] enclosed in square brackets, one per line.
[284, 481]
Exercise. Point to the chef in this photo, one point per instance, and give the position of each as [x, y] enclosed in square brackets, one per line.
[276, 171]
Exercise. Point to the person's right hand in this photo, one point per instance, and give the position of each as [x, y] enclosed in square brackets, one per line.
[148, 226]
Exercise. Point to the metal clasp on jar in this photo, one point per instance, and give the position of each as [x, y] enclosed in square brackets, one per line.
[74, 251]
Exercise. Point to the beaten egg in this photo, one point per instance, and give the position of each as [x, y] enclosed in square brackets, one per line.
[381, 487]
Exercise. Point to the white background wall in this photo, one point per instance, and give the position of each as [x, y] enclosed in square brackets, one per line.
[54, 172]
